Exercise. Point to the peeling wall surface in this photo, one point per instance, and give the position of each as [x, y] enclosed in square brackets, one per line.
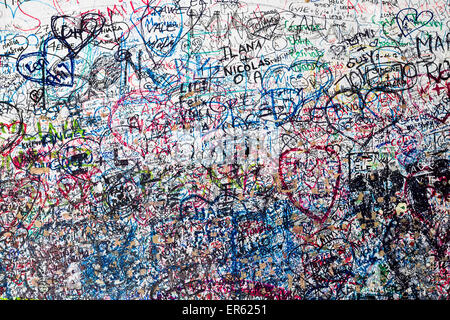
[224, 149]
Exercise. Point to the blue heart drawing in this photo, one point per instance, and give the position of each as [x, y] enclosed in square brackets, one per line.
[408, 18]
[38, 67]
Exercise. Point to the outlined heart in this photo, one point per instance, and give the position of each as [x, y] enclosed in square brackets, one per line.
[311, 178]
[45, 68]
[36, 95]
[76, 33]
[10, 137]
[408, 18]
[337, 49]
[160, 28]
[12, 127]
[356, 116]
[147, 119]
[13, 45]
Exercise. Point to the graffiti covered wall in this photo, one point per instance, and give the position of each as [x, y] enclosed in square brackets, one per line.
[224, 149]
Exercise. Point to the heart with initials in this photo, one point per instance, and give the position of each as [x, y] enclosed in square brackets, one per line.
[141, 122]
[12, 128]
[13, 44]
[112, 34]
[36, 95]
[409, 20]
[310, 177]
[337, 49]
[359, 117]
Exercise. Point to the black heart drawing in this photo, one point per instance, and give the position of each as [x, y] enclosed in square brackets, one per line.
[349, 123]
[264, 27]
[408, 18]
[37, 95]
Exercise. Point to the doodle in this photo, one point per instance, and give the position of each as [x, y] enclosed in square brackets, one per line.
[224, 149]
